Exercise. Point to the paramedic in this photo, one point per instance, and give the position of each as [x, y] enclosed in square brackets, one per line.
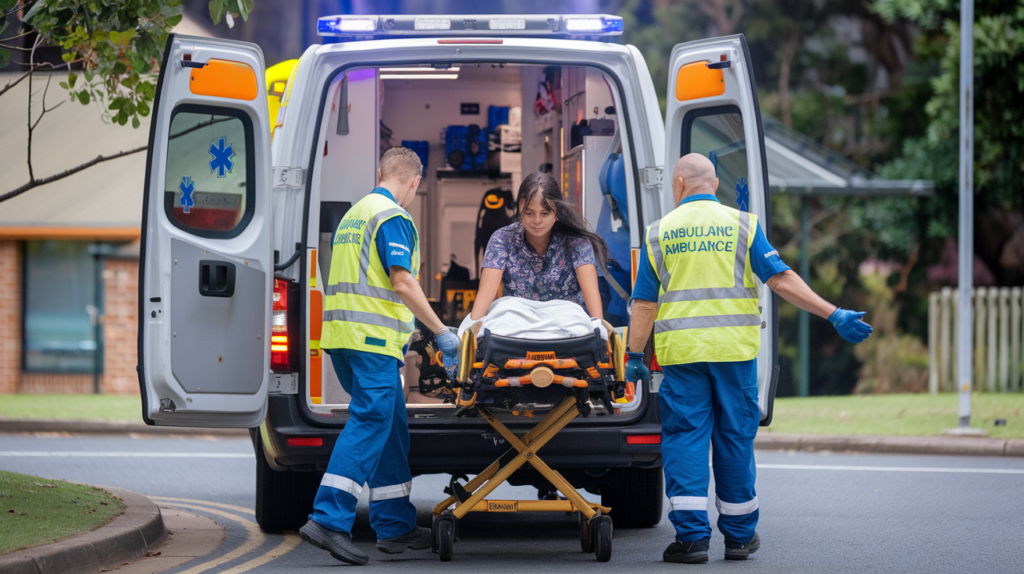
[549, 254]
[371, 297]
[699, 266]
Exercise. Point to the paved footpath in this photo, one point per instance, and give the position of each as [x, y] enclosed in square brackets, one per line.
[819, 512]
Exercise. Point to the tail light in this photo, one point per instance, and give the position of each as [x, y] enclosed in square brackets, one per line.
[283, 325]
[655, 367]
[643, 439]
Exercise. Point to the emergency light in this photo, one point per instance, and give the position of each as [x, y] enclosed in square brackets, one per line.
[479, 25]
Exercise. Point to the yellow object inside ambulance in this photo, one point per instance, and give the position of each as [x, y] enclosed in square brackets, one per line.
[277, 84]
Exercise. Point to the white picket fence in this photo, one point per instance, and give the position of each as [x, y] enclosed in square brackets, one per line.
[998, 355]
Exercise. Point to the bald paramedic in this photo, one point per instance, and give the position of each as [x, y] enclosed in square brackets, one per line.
[696, 288]
[372, 296]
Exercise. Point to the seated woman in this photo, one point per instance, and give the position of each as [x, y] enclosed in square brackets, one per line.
[547, 255]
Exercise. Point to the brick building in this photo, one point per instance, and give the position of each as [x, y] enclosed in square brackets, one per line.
[69, 250]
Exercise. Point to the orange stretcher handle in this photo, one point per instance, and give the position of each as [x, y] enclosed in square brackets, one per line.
[553, 363]
[525, 380]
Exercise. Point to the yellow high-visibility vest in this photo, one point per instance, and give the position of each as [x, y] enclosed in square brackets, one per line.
[707, 304]
[361, 309]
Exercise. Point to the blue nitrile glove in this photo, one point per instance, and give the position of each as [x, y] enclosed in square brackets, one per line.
[635, 369]
[448, 343]
[849, 325]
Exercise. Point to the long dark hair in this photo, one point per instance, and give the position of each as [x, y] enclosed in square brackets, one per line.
[568, 220]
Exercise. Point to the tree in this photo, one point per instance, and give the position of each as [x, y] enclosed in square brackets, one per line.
[998, 125]
[116, 44]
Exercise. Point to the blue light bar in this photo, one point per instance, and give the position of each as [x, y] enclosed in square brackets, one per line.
[441, 25]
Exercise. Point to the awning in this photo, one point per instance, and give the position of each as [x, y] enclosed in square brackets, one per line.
[799, 165]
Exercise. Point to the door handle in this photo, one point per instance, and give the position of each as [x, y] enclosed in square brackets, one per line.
[216, 278]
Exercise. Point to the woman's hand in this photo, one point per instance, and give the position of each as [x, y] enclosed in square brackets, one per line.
[587, 276]
[490, 281]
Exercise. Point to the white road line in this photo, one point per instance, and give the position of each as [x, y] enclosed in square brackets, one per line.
[892, 469]
[100, 454]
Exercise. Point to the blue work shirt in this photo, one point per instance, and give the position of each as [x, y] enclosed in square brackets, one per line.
[396, 239]
[764, 261]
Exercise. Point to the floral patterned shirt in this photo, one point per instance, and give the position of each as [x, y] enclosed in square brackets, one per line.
[532, 276]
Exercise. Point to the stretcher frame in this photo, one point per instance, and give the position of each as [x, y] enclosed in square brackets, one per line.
[595, 522]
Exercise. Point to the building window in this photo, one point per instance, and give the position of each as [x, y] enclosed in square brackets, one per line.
[62, 305]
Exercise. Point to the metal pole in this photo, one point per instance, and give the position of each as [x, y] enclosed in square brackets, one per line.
[805, 318]
[966, 230]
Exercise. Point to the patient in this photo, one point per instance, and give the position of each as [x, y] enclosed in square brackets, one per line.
[547, 255]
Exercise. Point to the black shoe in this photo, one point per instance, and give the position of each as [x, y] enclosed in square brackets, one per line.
[736, 551]
[339, 544]
[695, 552]
[416, 539]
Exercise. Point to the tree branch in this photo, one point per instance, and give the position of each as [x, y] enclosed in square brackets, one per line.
[99, 159]
[43, 181]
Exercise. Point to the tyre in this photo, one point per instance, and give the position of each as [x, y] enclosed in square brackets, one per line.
[444, 536]
[601, 533]
[586, 542]
[635, 496]
[284, 500]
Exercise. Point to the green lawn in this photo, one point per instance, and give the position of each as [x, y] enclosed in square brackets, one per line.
[113, 407]
[917, 414]
[36, 511]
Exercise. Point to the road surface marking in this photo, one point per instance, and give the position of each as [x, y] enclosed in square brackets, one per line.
[253, 539]
[288, 544]
[892, 469]
[112, 454]
[248, 511]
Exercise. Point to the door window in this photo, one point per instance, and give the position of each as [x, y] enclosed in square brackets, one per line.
[210, 181]
[717, 133]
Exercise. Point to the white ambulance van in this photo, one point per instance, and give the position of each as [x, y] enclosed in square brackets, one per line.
[239, 215]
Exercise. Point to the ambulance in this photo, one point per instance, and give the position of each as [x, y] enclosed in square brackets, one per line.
[240, 211]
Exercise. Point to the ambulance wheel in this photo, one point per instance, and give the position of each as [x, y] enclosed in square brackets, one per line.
[444, 536]
[601, 533]
[284, 499]
[586, 542]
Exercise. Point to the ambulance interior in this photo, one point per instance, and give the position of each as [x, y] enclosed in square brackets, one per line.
[481, 129]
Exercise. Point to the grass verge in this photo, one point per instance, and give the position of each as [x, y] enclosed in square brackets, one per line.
[112, 407]
[916, 414]
[35, 511]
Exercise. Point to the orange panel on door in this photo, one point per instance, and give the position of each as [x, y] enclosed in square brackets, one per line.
[696, 80]
[224, 79]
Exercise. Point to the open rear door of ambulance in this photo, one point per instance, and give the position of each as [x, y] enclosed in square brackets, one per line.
[206, 268]
[712, 109]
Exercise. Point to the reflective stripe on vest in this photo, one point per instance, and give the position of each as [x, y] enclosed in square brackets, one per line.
[357, 314]
[697, 323]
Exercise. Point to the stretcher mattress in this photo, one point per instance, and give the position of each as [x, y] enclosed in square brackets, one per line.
[535, 320]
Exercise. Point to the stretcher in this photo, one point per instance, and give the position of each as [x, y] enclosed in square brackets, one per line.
[563, 378]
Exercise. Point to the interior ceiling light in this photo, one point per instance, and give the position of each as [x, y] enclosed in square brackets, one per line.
[428, 70]
[419, 76]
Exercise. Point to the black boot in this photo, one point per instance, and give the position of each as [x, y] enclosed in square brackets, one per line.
[736, 551]
[695, 552]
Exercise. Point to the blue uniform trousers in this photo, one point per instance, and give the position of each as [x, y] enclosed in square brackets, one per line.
[373, 449]
[716, 402]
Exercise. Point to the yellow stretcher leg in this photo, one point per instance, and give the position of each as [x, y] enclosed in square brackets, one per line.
[527, 447]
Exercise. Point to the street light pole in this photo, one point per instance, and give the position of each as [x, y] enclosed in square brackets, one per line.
[965, 361]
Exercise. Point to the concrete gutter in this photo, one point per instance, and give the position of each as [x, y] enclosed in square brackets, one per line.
[86, 426]
[125, 538]
[945, 445]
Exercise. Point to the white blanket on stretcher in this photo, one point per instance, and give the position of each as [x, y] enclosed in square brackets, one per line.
[536, 320]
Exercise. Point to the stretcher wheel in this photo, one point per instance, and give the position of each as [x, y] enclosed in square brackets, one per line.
[444, 537]
[601, 534]
[586, 542]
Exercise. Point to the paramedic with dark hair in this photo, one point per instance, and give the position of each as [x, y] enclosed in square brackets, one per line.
[372, 296]
[696, 288]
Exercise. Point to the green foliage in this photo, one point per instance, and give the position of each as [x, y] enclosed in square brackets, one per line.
[119, 44]
[998, 116]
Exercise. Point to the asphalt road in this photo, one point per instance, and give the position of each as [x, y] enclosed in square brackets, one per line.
[819, 512]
